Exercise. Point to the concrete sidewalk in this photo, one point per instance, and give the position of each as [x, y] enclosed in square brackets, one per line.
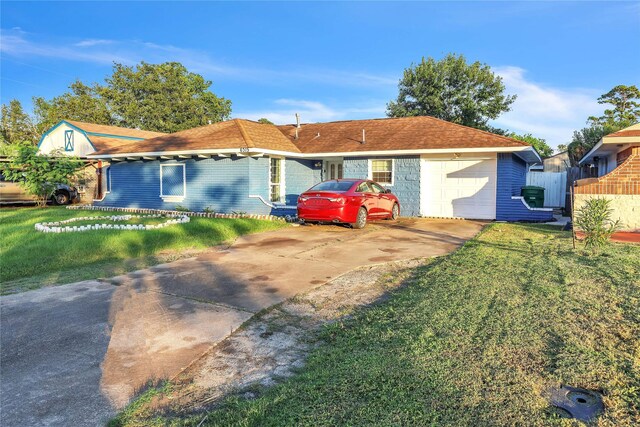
[75, 354]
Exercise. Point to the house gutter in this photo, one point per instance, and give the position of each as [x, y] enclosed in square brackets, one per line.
[242, 153]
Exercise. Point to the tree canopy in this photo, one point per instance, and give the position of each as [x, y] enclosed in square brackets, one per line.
[161, 97]
[16, 125]
[625, 112]
[539, 144]
[452, 90]
[156, 97]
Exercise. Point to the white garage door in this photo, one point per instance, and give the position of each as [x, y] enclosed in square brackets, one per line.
[462, 188]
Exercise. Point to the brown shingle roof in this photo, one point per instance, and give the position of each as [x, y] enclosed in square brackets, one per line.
[407, 133]
[114, 130]
[236, 133]
[624, 132]
[106, 143]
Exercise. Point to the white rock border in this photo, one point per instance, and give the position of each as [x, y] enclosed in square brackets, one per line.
[61, 227]
[287, 218]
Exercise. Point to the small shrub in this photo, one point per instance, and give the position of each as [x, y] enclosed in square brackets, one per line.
[209, 210]
[181, 208]
[594, 220]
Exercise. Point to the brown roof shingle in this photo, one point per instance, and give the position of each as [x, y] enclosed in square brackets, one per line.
[236, 133]
[624, 132]
[407, 133]
[114, 130]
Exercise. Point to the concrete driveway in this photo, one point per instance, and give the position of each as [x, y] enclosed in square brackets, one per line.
[75, 354]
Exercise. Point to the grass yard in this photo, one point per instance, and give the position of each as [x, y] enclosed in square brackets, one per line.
[31, 259]
[475, 338]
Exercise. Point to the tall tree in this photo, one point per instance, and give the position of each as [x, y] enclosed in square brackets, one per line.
[625, 112]
[453, 90]
[82, 103]
[626, 108]
[16, 125]
[539, 144]
[161, 97]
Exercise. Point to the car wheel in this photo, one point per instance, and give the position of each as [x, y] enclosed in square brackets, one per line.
[395, 212]
[61, 198]
[361, 219]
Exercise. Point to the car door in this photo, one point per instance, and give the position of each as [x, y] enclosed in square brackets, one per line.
[385, 202]
[370, 198]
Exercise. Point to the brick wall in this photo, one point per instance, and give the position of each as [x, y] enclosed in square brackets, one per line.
[625, 179]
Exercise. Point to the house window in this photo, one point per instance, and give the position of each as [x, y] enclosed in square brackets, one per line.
[382, 171]
[173, 182]
[276, 179]
[68, 140]
[108, 179]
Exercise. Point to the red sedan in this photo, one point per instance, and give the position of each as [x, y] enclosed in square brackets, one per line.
[353, 201]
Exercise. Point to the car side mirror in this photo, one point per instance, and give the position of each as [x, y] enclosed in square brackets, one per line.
[387, 191]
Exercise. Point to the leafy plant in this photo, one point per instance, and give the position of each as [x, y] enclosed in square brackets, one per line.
[181, 208]
[593, 218]
[40, 174]
[209, 210]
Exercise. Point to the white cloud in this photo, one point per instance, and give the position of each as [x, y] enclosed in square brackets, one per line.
[17, 43]
[544, 111]
[92, 42]
[284, 111]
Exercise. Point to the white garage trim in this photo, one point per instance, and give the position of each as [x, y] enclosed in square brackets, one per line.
[458, 187]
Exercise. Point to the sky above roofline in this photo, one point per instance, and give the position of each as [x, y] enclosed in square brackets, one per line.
[333, 61]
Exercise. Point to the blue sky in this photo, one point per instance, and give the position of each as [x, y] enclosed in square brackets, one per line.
[333, 60]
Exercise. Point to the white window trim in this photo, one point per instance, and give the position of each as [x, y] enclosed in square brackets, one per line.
[174, 198]
[282, 180]
[393, 172]
[107, 181]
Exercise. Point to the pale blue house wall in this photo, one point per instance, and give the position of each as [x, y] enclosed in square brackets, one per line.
[406, 185]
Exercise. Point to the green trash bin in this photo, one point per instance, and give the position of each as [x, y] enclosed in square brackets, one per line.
[534, 196]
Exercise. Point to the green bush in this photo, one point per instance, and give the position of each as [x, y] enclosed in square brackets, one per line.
[594, 220]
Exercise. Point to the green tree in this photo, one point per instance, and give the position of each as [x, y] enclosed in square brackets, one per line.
[539, 144]
[82, 103]
[161, 97]
[265, 121]
[583, 140]
[39, 174]
[562, 148]
[452, 90]
[16, 125]
[625, 112]
[626, 108]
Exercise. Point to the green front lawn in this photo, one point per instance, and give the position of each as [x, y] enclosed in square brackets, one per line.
[474, 338]
[31, 259]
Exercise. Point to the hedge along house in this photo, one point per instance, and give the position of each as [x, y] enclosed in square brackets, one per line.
[436, 168]
[81, 139]
[617, 159]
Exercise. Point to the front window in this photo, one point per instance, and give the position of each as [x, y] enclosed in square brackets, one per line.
[382, 171]
[173, 186]
[276, 180]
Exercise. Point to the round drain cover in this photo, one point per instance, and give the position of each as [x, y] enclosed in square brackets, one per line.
[573, 402]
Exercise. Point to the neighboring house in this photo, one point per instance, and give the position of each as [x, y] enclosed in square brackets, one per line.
[617, 157]
[556, 163]
[436, 168]
[80, 139]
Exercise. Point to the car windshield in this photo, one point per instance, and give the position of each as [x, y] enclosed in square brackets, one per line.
[335, 185]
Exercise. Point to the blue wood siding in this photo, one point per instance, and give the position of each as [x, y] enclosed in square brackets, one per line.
[300, 175]
[221, 184]
[512, 174]
[406, 179]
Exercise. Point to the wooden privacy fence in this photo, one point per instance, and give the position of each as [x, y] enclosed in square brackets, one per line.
[555, 187]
